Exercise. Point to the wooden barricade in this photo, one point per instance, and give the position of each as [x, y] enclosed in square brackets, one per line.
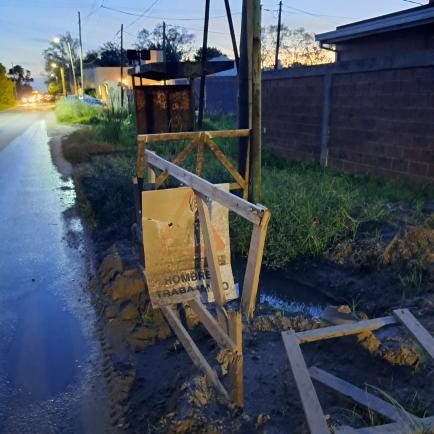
[402, 421]
[226, 329]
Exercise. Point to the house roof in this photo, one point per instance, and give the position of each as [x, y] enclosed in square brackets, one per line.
[172, 70]
[386, 23]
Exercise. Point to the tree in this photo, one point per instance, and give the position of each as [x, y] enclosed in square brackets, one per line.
[178, 42]
[108, 54]
[58, 53]
[211, 52]
[22, 79]
[297, 47]
[6, 90]
[54, 88]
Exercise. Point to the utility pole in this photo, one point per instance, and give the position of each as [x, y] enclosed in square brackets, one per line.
[204, 62]
[62, 77]
[166, 90]
[72, 65]
[81, 54]
[276, 61]
[254, 17]
[121, 61]
[231, 29]
[244, 91]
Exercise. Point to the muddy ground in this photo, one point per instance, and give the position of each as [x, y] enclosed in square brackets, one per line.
[155, 387]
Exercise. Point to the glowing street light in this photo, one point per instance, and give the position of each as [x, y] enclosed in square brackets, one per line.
[54, 65]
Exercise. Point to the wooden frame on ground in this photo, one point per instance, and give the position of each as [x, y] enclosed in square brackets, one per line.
[403, 422]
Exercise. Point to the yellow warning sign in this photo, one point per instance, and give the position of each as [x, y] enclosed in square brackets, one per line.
[175, 262]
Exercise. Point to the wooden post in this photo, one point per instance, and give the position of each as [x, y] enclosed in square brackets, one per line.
[276, 59]
[121, 61]
[255, 35]
[236, 363]
[211, 257]
[204, 62]
[231, 30]
[254, 262]
[192, 350]
[81, 54]
[327, 86]
[244, 91]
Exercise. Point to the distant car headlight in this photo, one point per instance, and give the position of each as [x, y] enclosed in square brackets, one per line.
[24, 99]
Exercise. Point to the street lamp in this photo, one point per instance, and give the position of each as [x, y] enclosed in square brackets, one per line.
[56, 40]
[62, 76]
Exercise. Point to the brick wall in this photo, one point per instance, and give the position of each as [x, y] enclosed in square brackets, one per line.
[380, 117]
[383, 123]
[291, 116]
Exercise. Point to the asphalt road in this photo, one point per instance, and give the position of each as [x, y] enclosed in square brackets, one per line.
[50, 359]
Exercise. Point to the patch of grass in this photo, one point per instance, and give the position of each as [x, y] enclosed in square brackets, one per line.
[76, 112]
[106, 184]
[116, 126]
[6, 106]
[79, 146]
[411, 282]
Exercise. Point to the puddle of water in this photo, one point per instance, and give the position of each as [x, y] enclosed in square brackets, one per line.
[286, 295]
[49, 337]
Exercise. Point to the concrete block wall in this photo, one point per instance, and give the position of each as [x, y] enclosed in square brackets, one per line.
[380, 121]
[291, 116]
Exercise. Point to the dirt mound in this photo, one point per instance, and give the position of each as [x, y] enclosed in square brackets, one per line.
[413, 243]
[277, 322]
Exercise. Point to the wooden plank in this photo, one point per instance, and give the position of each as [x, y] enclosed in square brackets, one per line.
[425, 425]
[178, 160]
[344, 329]
[164, 137]
[360, 396]
[225, 162]
[253, 268]
[151, 176]
[213, 327]
[253, 213]
[228, 133]
[247, 170]
[189, 135]
[192, 350]
[309, 399]
[236, 364]
[140, 159]
[344, 429]
[415, 328]
[199, 155]
[212, 260]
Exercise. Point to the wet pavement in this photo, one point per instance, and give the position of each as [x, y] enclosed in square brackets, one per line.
[50, 358]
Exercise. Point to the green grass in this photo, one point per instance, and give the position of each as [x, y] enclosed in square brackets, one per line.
[312, 208]
[76, 112]
[6, 106]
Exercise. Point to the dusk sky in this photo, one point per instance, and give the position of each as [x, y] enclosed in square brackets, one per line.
[28, 26]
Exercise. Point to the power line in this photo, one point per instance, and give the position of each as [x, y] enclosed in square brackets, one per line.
[164, 18]
[144, 13]
[314, 14]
